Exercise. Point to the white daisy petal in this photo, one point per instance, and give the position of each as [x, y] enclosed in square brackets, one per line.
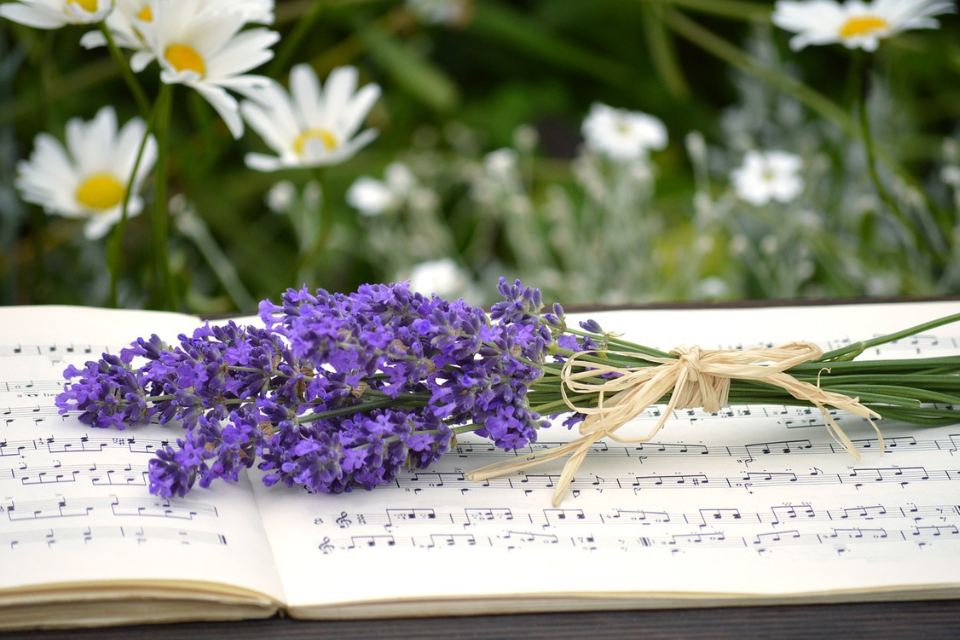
[277, 138]
[224, 104]
[340, 85]
[248, 50]
[262, 162]
[358, 108]
[53, 14]
[35, 17]
[311, 126]
[306, 94]
[855, 24]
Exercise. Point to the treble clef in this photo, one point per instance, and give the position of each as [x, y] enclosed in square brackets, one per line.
[343, 521]
[325, 547]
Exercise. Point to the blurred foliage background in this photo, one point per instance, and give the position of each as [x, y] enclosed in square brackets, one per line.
[522, 75]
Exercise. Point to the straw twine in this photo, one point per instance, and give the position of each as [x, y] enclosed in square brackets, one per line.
[696, 378]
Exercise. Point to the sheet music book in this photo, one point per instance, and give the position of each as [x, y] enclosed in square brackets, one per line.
[752, 505]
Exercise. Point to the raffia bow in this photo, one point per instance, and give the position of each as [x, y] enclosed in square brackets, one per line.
[696, 378]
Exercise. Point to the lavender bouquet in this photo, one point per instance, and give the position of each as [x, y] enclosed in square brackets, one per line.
[342, 391]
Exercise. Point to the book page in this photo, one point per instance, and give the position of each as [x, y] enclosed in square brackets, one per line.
[74, 504]
[752, 504]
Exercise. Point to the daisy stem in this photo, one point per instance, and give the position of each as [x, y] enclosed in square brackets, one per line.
[314, 234]
[863, 63]
[114, 248]
[160, 250]
[126, 72]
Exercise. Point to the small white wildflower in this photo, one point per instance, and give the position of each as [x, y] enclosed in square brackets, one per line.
[372, 197]
[622, 135]
[450, 12]
[768, 175]
[951, 175]
[501, 164]
[525, 137]
[442, 277]
[281, 196]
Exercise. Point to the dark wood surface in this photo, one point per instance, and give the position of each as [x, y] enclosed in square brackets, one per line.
[928, 620]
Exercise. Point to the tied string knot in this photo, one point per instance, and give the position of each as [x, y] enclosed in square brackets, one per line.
[694, 378]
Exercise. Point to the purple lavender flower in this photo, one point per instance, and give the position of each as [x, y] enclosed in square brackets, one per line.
[108, 394]
[173, 471]
[336, 392]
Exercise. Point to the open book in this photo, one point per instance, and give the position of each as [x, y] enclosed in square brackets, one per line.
[753, 505]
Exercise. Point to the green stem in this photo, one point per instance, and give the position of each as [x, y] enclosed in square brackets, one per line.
[857, 348]
[863, 64]
[314, 233]
[115, 245]
[160, 207]
[734, 9]
[126, 72]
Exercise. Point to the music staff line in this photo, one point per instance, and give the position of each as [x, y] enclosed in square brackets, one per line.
[748, 452]
[56, 350]
[840, 538]
[856, 476]
[82, 444]
[55, 537]
[62, 507]
[121, 475]
[779, 515]
[31, 386]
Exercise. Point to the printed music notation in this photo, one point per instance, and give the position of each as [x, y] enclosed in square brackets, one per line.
[70, 536]
[746, 452]
[843, 529]
[80, 444]
[63, 507]
[55, 351]
[857, 477]
[58, 473]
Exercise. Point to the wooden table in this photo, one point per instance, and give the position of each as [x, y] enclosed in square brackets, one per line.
[926, 620]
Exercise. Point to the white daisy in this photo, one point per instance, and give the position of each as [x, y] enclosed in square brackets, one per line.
[855, 23]
[622, 135]
[768, 175]
[372, 197]
[88, 179]
[311, 127]
[206, 51]
[53, 14]
[127, 35]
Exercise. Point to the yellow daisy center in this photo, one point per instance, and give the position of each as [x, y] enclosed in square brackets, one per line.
[862, 25]
[324, 136]
[185, 58]
[87, 5]
[100, 191]
[145, 14]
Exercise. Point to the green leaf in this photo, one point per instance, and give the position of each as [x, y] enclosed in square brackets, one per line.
[411, 71]
[508, 26]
